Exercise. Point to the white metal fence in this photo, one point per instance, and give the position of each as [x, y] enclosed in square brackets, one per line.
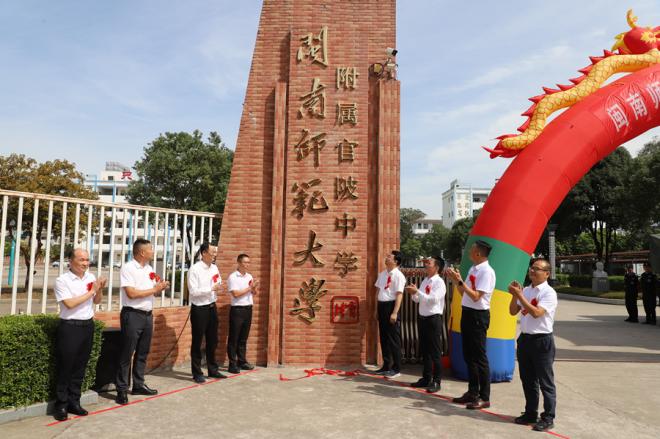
[36, 230]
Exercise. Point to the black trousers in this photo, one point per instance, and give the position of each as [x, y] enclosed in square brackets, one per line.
[390, 336]
[136, 331]
[536, 353]
[240, 321]
[74, 346]
[204, 321]
[474, 325]
[648, 299]
[631, 304]
[430, 346]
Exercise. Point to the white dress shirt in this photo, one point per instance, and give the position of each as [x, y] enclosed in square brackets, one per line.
[68, 286]
[390, 284]
[236, 282]
[201, 278]
[544, 296]
[481, 277]
[141, 278]
[431, 296]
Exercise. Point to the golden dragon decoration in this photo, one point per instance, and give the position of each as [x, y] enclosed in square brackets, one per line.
[635, 49]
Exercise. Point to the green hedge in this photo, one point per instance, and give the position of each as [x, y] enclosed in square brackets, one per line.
[27, 359]
[584, 281]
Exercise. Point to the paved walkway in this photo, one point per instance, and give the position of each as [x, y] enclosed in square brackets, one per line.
[608, 378]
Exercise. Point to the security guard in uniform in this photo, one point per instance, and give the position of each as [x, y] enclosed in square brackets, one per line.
[648, 281]
[631, 286]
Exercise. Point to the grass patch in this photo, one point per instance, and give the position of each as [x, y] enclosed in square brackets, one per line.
[587, 292]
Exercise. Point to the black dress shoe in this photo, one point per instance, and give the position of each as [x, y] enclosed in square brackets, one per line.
[144, 390]
[420, 383]
[526, 419]
[434, 387]
[478, 404]
[76, 409]
[465, 399]
[217, 374]
[122, 397]
[246, 366]
[199, 379]
[380, 371]
[60, 413]
[543, 425]
[233, 369]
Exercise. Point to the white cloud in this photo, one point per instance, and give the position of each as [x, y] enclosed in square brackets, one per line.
[521, 66]
[636, 144]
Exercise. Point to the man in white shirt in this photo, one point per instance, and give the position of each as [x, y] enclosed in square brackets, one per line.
[242, 287]
[390, 284]
[76, 292]
[536, 345]
[139, 283]
[475, 320]
[431, 299]
[204, 283]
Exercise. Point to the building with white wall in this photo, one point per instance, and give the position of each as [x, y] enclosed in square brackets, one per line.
[461, 200]
[111, 183]
[424, 226]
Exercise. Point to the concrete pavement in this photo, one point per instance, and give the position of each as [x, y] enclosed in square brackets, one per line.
[608, 385]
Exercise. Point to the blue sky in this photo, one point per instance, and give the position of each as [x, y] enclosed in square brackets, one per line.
[96, 81]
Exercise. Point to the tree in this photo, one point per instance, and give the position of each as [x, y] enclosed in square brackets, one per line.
[457, 238]
[434, 243]
[181, 171]
[57, 177]
[411, 245]
[597, 204]
[643, 197]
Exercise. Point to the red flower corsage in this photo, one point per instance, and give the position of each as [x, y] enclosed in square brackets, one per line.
[428, 289]
[473, 280]
[89, 286]
[215, 278]
[534, 302]
[389, 282]
[154, 277]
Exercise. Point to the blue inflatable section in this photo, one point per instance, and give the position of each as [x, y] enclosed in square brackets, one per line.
[501, 358]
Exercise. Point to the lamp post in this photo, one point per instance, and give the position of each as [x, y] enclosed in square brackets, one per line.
[552, 228]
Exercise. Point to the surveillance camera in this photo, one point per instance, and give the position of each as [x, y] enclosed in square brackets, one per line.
[391, 51]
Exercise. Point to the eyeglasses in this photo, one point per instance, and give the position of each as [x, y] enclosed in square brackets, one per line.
[537, 269]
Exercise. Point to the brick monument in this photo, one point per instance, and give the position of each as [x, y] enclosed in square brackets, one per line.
[314, 192]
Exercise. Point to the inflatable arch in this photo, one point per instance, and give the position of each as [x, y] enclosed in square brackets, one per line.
[548, 162]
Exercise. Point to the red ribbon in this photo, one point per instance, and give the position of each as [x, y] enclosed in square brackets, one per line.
[89, 286]
[473, 280]
[428, 289]
[389, 282]
[153, 276]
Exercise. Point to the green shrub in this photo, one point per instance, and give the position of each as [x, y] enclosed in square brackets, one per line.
[584, 281]
[562, 279]
[616, 283]
[27, 359]
[579, 280]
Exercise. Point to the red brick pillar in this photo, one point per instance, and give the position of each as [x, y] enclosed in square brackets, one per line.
[310, 84]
